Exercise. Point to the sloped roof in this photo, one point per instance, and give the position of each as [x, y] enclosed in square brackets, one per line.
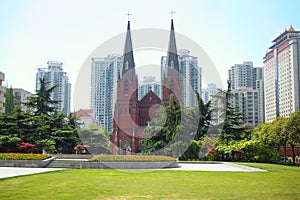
[84, 113]
[154, 98]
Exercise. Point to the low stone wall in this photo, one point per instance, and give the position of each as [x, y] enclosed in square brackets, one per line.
[129, 165]
[72, 156]
[26, 163]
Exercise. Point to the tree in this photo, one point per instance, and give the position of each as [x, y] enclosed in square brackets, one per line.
[278, 134]
[8, 143]
[205, 113]
[161, 136]
[292, 129]
[261, 134]
[18, 122]
[41, 102]
[9, 101]
[46, 128]
[232, 118]
[63, 132]
[95, 138]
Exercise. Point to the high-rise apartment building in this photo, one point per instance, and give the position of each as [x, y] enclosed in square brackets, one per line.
[247, 88]
[247, 100]
[282, 75]
[191, 75]
[20, 97]
[240, 75]
[258, 84]
[209, 92]
[149, 83]
[104, 76]
[55, 76]
[2, 92]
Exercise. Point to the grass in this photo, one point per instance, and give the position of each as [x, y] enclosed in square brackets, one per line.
[280, 182]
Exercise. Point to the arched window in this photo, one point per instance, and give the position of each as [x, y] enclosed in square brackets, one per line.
[148, 122]
[126, 65]
[172, 64]
[126, 87]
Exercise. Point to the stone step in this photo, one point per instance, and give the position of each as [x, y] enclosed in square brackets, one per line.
[73, 164]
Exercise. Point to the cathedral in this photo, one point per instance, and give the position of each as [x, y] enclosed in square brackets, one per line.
[131, 115]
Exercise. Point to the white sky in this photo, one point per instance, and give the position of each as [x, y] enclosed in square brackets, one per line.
[33, 32]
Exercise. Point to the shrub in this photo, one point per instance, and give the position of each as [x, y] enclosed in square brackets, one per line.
[23, 156]
[256, 152]
[192, 153]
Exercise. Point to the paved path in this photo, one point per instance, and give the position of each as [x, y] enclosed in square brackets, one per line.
[6, 172]
[217, 166]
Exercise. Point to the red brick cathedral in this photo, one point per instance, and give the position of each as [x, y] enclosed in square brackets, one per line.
[131, 116]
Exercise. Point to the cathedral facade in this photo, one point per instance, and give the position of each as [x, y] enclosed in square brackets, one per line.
[131, 115]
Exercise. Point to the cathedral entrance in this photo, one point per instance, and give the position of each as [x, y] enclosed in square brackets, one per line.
[125, 148]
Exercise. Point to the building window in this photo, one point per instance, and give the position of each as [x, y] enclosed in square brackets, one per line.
[126, 87]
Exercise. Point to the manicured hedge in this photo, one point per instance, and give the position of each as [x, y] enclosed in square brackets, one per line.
[23, 156]
[131, 158]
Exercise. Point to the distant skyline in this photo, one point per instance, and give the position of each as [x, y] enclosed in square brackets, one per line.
[230, 31]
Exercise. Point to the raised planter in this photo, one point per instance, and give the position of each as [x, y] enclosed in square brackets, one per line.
[26, 163]
[129, 165]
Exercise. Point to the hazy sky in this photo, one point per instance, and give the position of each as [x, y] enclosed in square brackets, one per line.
[33, 32]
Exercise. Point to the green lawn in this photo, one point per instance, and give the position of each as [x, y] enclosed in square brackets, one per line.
[280, 182]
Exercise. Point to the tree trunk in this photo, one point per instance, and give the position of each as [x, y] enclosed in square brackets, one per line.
[284, 151]
[294, 155]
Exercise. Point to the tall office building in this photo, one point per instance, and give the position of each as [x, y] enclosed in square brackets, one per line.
[55, 76]
[191, 74]
[248, 95]
[2, 92]
[20, 97]
[282, 75]
[149, 83]
[104, 76]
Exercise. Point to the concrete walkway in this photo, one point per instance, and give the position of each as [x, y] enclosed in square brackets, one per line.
[215, 166]
[6, 172]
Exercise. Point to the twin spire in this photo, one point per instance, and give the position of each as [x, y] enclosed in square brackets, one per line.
[172, 57]
[128, 67]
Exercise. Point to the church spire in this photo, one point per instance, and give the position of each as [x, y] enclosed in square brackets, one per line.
[128, 61]
[172, 57]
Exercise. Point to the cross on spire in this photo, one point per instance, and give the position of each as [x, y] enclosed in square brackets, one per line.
[172, 13]
[128, 14]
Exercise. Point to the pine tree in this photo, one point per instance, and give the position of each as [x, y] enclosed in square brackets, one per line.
[41, 102]
[231, 117]
[205, 115]
[9, 101]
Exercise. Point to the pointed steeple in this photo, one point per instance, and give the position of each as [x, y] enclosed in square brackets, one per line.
[172, 57]
[128, 61]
